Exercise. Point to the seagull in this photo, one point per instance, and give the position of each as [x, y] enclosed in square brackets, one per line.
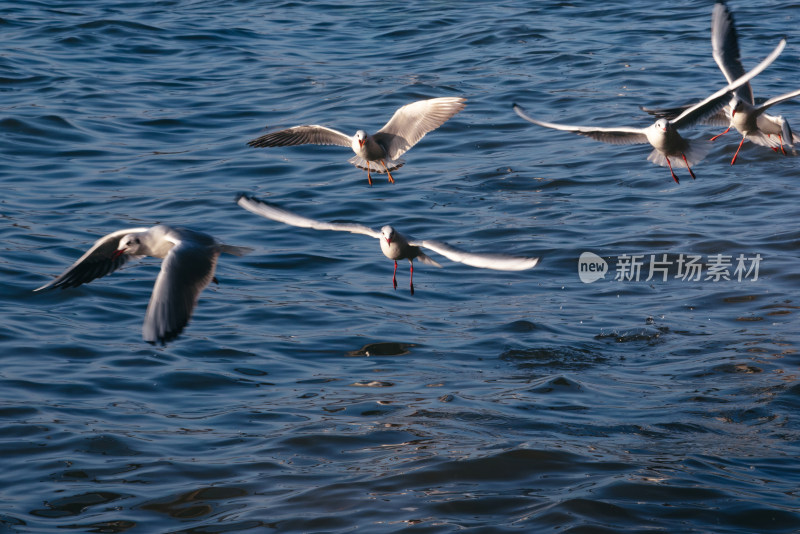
[189, 259]
[741, 112]
[744, 115]
[378, 152]
[394, 245]
[663, 134]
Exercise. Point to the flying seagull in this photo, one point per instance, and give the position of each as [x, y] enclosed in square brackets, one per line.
[748, 118]
[189, 259]
[741, 113]
[394, 245]
[663, 134]
[378, 152]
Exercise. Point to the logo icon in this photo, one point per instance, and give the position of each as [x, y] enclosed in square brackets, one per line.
[591, 267]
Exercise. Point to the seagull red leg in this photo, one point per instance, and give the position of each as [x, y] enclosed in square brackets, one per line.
[369, 178]
[780, 138]
[394, 276]
[687, 167]
[671, 171]
[391, 180]
[737, 151]
[720, 135]
[411, 279]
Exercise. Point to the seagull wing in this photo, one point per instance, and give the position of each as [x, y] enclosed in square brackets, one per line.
[614, 136]
[725, 49]
[98, 261]
[715, 102]
[777, 100]
[303, 135]
[665, 113]
[271, 211]
[500, 262]
[720, 118]
[411, 122]
[185, 271]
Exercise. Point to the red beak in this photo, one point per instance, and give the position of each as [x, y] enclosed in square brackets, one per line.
[733, 113]
[117, 253]
[361, 142]
[388, 240]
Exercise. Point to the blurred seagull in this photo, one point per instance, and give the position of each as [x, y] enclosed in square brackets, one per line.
[741, 112]
[378, 152]
[189, 261]
[394, 245]
[663, 134]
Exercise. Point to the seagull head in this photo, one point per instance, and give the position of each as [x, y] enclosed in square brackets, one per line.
[361, 137]
[388, 233]
[736, 105]
[662, 125]
[128, 244]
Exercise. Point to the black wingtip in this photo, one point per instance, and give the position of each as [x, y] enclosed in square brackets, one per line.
[166, 337]
[247, 196]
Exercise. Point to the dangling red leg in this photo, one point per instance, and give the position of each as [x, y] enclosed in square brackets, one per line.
[720, 135]
[687, 167]
[672, 172]
[369, 178]
[737, 151]
[391, 180]
[394, 276]
[780, 138]
[411, 279]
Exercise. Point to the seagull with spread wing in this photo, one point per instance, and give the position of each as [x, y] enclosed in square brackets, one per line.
[394, 245]
[742, 113]
[189, 260]
[663, 134]
[749, 119]
[381, 151]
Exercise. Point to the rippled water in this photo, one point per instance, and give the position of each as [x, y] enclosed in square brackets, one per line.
[308, 396]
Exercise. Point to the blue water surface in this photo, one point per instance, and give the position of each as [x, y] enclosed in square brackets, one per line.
[306, 394]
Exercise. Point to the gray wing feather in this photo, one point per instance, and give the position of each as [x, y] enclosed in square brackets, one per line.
[614, 136]
[98, 261]
[185, 272]
[276, 213]
[500, 262]
[720, 118]
[424, 258]
[303, 135]
[725, 49]
[411, 122]
[665, 113]
[713, 103]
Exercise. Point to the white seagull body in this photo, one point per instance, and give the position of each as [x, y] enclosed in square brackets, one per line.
[663, 134]
[394, 245]
[381, 151]
[189, 260]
